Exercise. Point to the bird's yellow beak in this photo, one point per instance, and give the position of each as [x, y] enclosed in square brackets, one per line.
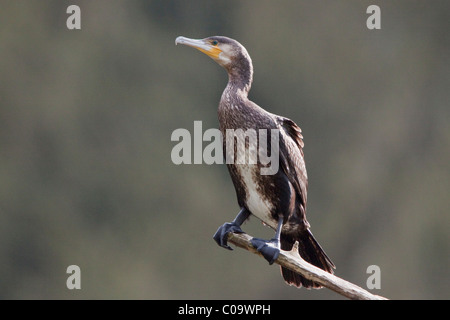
[200, 44]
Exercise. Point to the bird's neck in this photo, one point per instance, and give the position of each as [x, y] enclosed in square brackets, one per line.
[240, 78]
[237, 90]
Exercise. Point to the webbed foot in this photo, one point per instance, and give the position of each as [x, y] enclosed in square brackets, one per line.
[270, 249]
[221, 235]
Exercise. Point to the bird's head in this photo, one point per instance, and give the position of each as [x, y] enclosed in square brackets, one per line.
[227, 52]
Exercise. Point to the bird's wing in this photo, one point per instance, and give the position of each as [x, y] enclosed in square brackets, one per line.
[291, 157]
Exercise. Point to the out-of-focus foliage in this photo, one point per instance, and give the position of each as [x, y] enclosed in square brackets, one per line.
[86, 117]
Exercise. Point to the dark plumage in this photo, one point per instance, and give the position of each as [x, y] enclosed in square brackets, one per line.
[279, 199]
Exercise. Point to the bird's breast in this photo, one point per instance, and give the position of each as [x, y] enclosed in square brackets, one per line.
[256, 201]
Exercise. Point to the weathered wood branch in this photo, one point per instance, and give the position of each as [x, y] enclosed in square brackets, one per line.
[293, 261]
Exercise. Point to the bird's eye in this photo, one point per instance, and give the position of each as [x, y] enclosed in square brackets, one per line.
[214, 42]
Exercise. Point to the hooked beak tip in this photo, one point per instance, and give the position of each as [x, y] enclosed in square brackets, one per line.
[180, 40]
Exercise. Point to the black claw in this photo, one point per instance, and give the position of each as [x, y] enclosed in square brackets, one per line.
[221, 235]
[270, 249]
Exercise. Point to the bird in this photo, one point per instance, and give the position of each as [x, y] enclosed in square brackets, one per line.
[278, 199]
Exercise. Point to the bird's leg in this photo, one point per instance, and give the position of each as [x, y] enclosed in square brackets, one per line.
[221, 235]
[270, 249]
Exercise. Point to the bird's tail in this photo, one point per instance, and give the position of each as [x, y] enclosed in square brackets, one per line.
[311, 251]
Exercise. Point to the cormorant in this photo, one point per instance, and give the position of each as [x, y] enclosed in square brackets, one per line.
[279, 199]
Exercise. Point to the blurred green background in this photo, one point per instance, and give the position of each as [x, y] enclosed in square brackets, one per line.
[86, 117]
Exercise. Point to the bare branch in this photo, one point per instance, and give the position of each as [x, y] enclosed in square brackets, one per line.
[293, 261]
